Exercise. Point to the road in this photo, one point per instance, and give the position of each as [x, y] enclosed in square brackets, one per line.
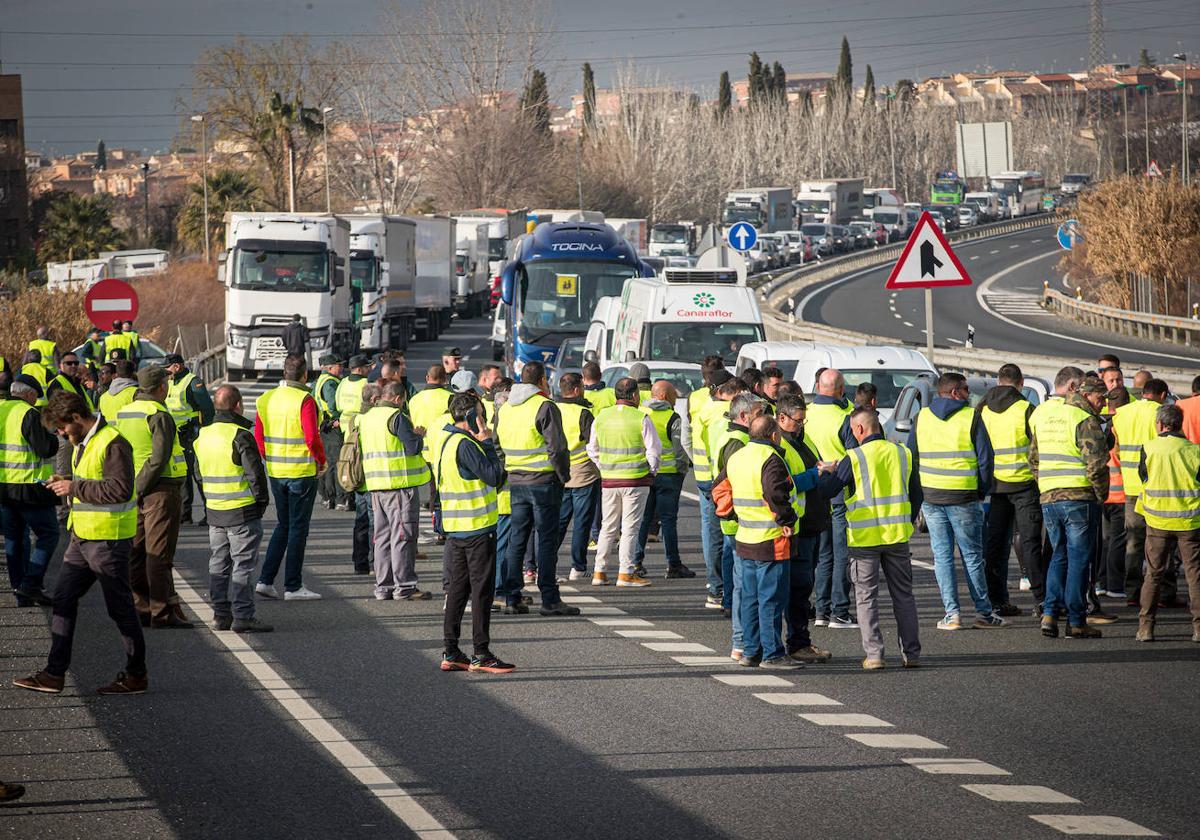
[1002, 306]
[340, 722]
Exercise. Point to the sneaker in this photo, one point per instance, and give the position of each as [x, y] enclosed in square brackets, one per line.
[1025, 585]
[519, 608]
[1049, 627]
[327, 504]
[1101, 592]
[780, 663]
[455, 661]
[990, 622]
[412, 595]
[952, 621]
[749, 661]
[37, 596]
[301, 594]
[578, 574]
[821, 621]
[530, 578]
[600, 579]
[680, 571]
[342, 506]
[911, 662]
[489, 664]
[631, 579]
[812, 653]
[266, 590]
[41, 681]
[736, 654]
[1082, 631]
[1100, 617]
[873, 664]
[251, 625]
[497, 605]
[836, 623]
[126, 684]
[1008, 610]
[640, 571]
[712, 602]
[222, 622]
[1117, 596]
[558, 609]
[1145, 633]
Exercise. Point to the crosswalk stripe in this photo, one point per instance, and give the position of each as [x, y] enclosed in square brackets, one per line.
[1093, 825]
[796, 698]
[845, 719]
[1021, 793]
[883, 741]
[1012, 304]
[955, 766]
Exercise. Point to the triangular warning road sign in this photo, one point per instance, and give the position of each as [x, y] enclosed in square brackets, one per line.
[927, 260]
[1152, 171]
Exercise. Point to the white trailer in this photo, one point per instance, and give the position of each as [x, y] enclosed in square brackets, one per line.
[435, 274]
[832, 202]
[769, 209]
[472, 291]
[383, 271]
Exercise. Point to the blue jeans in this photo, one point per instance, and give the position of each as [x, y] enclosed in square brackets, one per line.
[764, 599]
[294, 499]
[663, 502]
[27, 561]
[731, 599]
[832, 586]
[710, 539]
[962, 525]
[1069, 527]
[800, 587]
[536, 506]
[578, 506]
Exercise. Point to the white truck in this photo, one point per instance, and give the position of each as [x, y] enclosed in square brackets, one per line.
[435, 275]
[471, 286]
[886, 206]
[685, 315]
[672, 239]
[383, 271]
[832, 202]
[503, 229]
[768, 209]
[635, 231]
[276, 265]
[123, 265]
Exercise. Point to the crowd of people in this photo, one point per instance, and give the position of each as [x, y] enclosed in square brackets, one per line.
[804, 502]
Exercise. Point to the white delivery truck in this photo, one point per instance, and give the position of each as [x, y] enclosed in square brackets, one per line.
[503, 229]
[435, 275]
[832, 202]
[472, 291]
[672, 239]
[383, 270]
[276, 265]
[685, 315]
[768, 209]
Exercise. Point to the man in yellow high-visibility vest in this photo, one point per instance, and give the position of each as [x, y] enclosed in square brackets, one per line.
[714, 373]
[667, 485]
[582, 490]
[827, 429]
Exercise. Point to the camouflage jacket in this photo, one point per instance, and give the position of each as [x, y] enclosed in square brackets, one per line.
[1094, 443]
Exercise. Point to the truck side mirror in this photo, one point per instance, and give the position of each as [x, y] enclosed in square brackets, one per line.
[335, 266]
[385, 268]
[225, 268]
[508, 279]
[592, 357]
[630, 356]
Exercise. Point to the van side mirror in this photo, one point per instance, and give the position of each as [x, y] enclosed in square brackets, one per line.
[904, 426]
[592, 357]
[630, 356]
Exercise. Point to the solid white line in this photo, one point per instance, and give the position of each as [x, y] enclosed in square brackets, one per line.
[844, 719]
[789, 698]
[895, 742]
[112, 305]
[393, 797]
[1087, 824]
[752, 679]
[955, 766]
[1021, 793]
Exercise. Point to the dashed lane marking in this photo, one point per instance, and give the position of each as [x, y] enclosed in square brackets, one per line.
[752, 679]
[688, 494]
[797, 698]
[1035, 240]
[677, 647]
[908, 323]
[897, 315]
[955, 766]
[704, 661]
[1021, 793]
[845, 719]
[994, 251]
[1095, 825]
[974, 257]
[1013, 246]
[895, 742]
[393, 797]
[476, 346]
[648, 634]
[621, 622]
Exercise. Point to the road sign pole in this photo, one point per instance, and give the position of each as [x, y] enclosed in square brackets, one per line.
[929, 323]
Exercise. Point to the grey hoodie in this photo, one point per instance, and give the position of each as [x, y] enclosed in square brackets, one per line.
[682, 462]
[548, 423]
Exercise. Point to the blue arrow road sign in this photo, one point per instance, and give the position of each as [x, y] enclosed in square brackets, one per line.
[1069, 234]
[742, 236]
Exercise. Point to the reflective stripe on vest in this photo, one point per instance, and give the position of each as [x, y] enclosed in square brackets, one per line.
[287, 455]
[619, 441]
[111, 403]
[177, 403]
[879, 511]
[1133, 425]
[19, 464]
[225, 483]
[1170, 499]
[823, 427]
[100, 522]
[947, 458]
[729, 528]
[425, 407]
[572, 414]
[661, 418]
[349, 401]
[697, 400]
[134, 425]
[325, 408]
[1010, 442]
[1060, 463]
[756, 521]
[467, 505]
[523, 445]
[385, 465]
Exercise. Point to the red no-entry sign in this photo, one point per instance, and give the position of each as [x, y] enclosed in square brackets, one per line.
[110, 300]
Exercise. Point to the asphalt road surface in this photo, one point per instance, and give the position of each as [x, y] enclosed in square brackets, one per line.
[340, 723]
[1002, 305]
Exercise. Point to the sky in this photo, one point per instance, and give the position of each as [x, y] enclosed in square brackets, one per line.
[116, 69]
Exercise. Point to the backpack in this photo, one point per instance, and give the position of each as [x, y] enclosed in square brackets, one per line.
[350, 473]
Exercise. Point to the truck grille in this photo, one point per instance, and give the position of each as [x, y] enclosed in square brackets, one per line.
[268, 349]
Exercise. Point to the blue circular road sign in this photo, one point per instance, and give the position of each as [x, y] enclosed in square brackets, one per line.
[742, 236]
[1068, 234]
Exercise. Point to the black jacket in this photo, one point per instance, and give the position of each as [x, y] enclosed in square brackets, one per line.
[295, 339]
[817, 517]
[44, 444]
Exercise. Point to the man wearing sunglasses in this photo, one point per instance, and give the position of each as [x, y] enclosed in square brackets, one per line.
[68, 379]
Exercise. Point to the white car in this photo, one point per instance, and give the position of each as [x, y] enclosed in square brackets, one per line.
[967, 215]
[499, 332]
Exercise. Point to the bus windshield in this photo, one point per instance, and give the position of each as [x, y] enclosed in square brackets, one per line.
[687, 341]
[556, 298]
[281, 271]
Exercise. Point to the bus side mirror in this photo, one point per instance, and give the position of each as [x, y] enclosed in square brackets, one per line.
[508, 279]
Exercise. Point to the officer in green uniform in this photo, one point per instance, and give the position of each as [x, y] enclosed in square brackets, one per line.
[191, 407]
[325, 393]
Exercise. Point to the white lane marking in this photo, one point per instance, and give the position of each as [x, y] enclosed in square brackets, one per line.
[688, 494]
[581, 599]
[1016, 304]
[752, 679]
[845, 719]
[1021, 793]
[589, 609]
[921, 564]
[956, 767]
[954, 340]
[704, 661]
[1087, 824]
[974, 257]
[564, 588]
[897, 315]
[907, 323]
[796, 698]
[895, 742]
[677, 647]
[994, 251]
[892, 307]
[1035, 240]
[393, 797]
[621, 622]
[648, 634]
[983, 289]
[476, 346]
[1013, 246]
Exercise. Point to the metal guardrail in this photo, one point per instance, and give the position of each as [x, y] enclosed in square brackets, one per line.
[1170, 328]
[209, 365]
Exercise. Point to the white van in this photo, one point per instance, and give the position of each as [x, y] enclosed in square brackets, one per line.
[685, 315]
[987, 205]
[597, 346]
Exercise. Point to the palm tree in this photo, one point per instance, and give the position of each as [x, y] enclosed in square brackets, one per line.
[277, 124]
[228, 191]
[78, 227]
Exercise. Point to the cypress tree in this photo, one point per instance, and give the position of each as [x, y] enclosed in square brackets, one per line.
[779, 84]
[869, 89]
[756, 79]
[845, 73]
[724, 95]
[589, 96]
[535, 102]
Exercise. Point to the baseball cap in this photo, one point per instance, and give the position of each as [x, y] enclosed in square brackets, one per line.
[719, 377]
[1092, 385]
[26, 379]
[452, 351]
[329, 359]
[151, 377]
[359, 360]
[172, 359]
[462, 382]
[639, 371]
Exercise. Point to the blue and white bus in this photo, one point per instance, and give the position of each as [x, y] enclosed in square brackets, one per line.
[552, 283]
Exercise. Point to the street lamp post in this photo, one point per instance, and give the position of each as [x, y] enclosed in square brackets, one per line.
[1146, 121]
[325, 131]
[1183, 125]
[146, 200]
[1125, 115]
[199, 118]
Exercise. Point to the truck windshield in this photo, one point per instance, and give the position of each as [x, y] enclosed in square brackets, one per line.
[496, 249]
[556, 298]
[886, 217]
[733, 215]
[364, 273]
[674, 235]
[687, 341]
[460, 264]
[814, 230]
[281, 271]
[814, 205]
